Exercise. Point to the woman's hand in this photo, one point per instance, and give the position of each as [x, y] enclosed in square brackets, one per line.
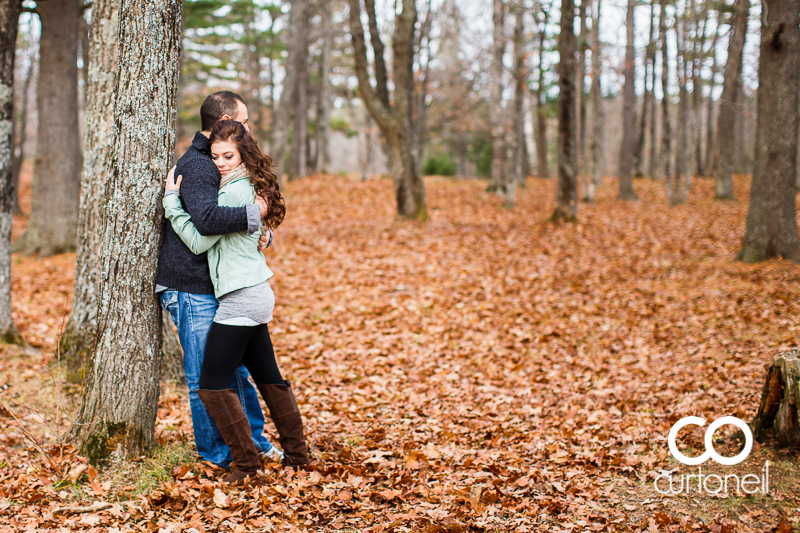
[172, 183]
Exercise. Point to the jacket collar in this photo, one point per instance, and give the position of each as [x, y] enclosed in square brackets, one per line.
[200, 142]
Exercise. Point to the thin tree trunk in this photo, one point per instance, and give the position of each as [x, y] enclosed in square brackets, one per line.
[652, 160]
[682, 151]
[323, 131]
[395, 122]
[666, 123]
[115, 421]
[726, 119]
[53, 222]
[297, 159]
[80, 333]
[21, 129]
[580, 89]
[515, 176]
[771, 216]
[697, 88]
[649, 67]
[741, 161]
[567, 192]
[420, 96]
[9, 17]
[597, 109]
[496, 111]
[711, 149]
[539, 97]
[626, 191]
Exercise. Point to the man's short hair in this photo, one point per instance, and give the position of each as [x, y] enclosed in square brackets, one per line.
[218, 105]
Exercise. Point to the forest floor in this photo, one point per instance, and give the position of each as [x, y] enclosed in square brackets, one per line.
[484, 371]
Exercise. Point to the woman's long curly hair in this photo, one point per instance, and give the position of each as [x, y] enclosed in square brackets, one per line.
[258, 165]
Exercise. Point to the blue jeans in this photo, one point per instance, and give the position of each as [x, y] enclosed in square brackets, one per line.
[193, 315]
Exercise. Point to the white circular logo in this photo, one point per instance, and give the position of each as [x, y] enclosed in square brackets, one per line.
[710, 451]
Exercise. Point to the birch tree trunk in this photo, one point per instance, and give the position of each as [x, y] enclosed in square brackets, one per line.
[113, 420]
[80, 332]
[515, 177]
[626, 191]
[395, 121]
[496, 111]
[9, 21]
[771, 216]
[726, 120]
[53, 222]
[598, 120]
[567, 191]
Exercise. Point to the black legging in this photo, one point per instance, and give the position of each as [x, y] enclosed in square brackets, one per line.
[227, 346]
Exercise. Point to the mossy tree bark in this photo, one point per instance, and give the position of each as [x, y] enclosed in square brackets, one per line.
[80, 332]
[726, 119]
[771, 216]
[113, 420]
[395, 118]
[53, 222]
[567, 191]
[9, 17]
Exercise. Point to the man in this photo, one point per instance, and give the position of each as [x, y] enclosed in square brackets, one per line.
[184, 281]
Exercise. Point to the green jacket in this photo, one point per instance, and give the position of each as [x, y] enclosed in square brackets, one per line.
[233, 259]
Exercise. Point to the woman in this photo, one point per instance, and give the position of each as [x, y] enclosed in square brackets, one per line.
[240, 276]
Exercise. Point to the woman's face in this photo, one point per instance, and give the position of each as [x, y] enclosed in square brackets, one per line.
[226, 156]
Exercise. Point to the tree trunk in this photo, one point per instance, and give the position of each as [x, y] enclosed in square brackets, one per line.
[80, 332]
[580, 88]
[171, 352]
[496, 110]
[666, 123]
[711, 149]
[697, 88]
[683, 151]
[741, 161]
[779, 408]
[9, 17]
[21, 129]
[597, 109]
[53, 222]
[297, 159]
[726, 119]
[626, 191]
[112, 419]
[771, 216]
[567, 192]
[515, 176]
[280, 123]
[323, 130]
[649, 67]
[394, 121]
[540, 99]
[420, 96]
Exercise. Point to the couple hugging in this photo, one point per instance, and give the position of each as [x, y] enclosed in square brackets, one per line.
[213, 280]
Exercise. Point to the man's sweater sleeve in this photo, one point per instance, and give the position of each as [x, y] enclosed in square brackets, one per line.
[199, 191]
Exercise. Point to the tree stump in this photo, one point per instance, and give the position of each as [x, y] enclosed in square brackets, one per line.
[780, 401]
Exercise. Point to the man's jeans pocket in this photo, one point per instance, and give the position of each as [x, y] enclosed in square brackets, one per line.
[169, 302]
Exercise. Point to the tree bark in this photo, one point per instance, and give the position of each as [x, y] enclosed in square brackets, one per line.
[771, 216]
[516, 175]
[697, 86]
[112, 420]
[80, 333]
[682, 152]
[9, 17]
[421, 95]
[666, 123]
[496, 111]
[323, 131]
[779, 408]
[540, 99]
[711, 150]
[726, 119]
[21, 129]
[580, 89]
[626, 191]
[649, 68]
[171, 352]
[53, 222]
[567, 192]
[598, 120]
[395, 122]
[297, 160]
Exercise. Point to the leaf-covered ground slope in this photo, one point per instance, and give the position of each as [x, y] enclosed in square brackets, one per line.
[484, 371]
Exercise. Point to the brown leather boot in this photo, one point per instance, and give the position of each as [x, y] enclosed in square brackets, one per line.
[284, 413]
[226, 411]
